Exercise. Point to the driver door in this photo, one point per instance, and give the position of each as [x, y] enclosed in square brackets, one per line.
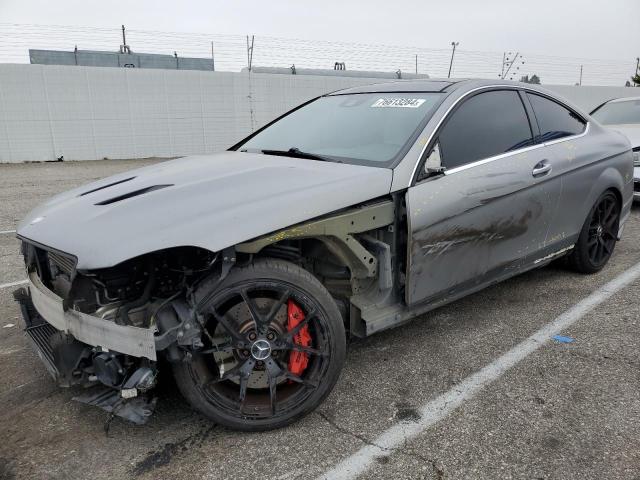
[486, 216]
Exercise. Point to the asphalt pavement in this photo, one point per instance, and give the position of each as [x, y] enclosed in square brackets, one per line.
[565, 410]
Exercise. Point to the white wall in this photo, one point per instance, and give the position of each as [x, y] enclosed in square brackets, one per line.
[588, 98]
[89, 113]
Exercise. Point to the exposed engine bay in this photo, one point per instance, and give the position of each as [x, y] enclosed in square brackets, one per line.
[158, 294]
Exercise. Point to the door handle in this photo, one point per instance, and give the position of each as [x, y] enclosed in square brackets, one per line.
[541, 168]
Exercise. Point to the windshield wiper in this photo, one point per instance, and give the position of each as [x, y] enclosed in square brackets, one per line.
[297, 153]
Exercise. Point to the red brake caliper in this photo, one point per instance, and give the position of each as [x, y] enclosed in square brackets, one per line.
[298, 361]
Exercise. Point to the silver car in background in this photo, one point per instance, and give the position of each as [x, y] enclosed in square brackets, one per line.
[623, 115]
[245, 272]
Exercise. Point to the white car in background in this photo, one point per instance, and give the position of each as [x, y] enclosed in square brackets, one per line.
[623, 115]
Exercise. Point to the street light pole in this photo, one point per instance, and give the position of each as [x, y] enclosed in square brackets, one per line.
[453, 52]
[580, 83]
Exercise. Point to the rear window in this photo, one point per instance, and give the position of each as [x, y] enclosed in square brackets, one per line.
[555, 121]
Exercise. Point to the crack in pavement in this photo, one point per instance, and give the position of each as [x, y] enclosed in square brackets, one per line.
[346, 431]
[405, 450]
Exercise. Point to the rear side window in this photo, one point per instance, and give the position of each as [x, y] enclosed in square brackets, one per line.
[487, 124]
[554, 120]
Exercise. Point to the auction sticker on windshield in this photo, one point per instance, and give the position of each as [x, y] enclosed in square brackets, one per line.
[398, 102]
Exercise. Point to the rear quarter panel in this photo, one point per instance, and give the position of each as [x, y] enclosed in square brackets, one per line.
[589, 165]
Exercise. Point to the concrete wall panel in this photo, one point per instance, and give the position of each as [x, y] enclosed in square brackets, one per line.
[90, 113]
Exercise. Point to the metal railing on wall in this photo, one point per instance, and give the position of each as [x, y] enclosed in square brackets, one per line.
[236, 52]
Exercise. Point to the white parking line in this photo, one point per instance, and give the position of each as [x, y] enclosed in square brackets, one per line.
[439, 408]
[7, 231]
[13, 284]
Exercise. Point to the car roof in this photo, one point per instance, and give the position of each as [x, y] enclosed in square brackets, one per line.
[399, 86]
[624, 99]
[431, 85]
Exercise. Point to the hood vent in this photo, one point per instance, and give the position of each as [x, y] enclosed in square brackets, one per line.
[106, 186]
[135, 193]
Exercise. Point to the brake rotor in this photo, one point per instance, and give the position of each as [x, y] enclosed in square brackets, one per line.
[241, 316]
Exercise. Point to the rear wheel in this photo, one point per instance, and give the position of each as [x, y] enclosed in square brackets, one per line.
[598, 237]
[274, 347]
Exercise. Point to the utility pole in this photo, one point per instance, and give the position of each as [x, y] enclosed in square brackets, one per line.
[580, 82]
[213, 59]
[124, 48]
[453, 52]
[508, 62]
[249, 51]
[416, 64]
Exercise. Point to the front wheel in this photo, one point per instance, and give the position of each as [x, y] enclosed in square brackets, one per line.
[598, 235]
[274, 347]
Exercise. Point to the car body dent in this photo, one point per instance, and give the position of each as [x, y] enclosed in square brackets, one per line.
[462, 227]
[212, 203]
[462, 236]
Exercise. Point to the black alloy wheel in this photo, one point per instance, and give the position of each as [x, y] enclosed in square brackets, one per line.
[274, 347]
[598, 236]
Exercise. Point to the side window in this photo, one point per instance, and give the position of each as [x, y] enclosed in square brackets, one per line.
[485, 125]
[554, 120]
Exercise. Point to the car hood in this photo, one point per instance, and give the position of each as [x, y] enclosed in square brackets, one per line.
[212, 202]
[631, 131]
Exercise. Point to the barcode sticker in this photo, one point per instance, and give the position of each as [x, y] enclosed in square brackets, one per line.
[398, 103]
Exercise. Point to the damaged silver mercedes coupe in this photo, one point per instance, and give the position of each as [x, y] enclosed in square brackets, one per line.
[244, 273]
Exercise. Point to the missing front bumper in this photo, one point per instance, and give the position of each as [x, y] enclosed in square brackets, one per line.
[70, 362]
[94, 331]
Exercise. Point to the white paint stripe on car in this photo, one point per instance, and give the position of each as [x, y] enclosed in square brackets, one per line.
[13, 284]
[439, 408]
[6, 231]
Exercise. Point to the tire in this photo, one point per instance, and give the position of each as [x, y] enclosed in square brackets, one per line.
[601, 227]
[217, 391]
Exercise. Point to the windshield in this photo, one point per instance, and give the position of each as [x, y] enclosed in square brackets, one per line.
[369, 129]
[618, 113]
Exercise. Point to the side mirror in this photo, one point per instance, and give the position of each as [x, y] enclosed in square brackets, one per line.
[433, 164]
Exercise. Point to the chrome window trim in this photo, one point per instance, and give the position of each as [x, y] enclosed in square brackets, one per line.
[572, 137]
[515, 152]
[496, 157]
[491, 159]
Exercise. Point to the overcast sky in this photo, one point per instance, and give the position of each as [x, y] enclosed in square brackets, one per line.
[577, 28]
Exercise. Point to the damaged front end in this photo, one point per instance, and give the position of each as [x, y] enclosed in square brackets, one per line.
[105, 329]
